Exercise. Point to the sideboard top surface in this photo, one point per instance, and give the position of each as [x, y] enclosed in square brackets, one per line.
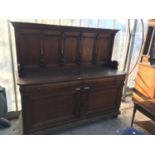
[63, 74]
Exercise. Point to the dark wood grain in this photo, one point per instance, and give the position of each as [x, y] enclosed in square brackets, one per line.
[41, 45]
[47, 106]
[62, 74]
[66, 75]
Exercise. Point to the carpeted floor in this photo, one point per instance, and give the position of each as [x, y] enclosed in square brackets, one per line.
[104, 127]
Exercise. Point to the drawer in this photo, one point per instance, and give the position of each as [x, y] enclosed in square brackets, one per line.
[54, 88]
[105, 82]
[101, 82]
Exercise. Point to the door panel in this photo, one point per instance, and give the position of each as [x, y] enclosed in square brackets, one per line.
[101, 100]
[99, 97]
[30, 47]
[50, 109]
[51, 49]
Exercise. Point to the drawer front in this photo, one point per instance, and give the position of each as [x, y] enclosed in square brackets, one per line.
[55, 88]
[105, 82]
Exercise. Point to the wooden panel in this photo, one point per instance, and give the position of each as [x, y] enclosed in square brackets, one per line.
[101, 99]
[50, 105]
[89, 35]
[104, 46]
[87, 49]
[54, 88]
[76, 44]
[51, 32]
[71, 34]
[53, 108]
[48, 111]
[29, 31]
[70, 50]
[101, 95]
[104, 35]
[102, 82]
[30, 48]
[51, 53]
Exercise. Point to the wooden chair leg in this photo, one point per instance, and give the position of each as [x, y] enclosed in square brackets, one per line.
[133, 115]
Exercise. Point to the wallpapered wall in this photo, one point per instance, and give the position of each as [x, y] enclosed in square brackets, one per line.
[119, 51]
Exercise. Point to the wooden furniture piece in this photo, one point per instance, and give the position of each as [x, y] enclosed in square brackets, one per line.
[146, 107]
[145, 80]
[66, 76]
[144, 93]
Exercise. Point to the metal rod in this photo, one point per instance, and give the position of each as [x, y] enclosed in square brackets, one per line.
[12, 66]
[130, 56]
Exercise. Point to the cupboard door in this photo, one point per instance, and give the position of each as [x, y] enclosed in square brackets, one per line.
[100, 97]
[50, 105]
